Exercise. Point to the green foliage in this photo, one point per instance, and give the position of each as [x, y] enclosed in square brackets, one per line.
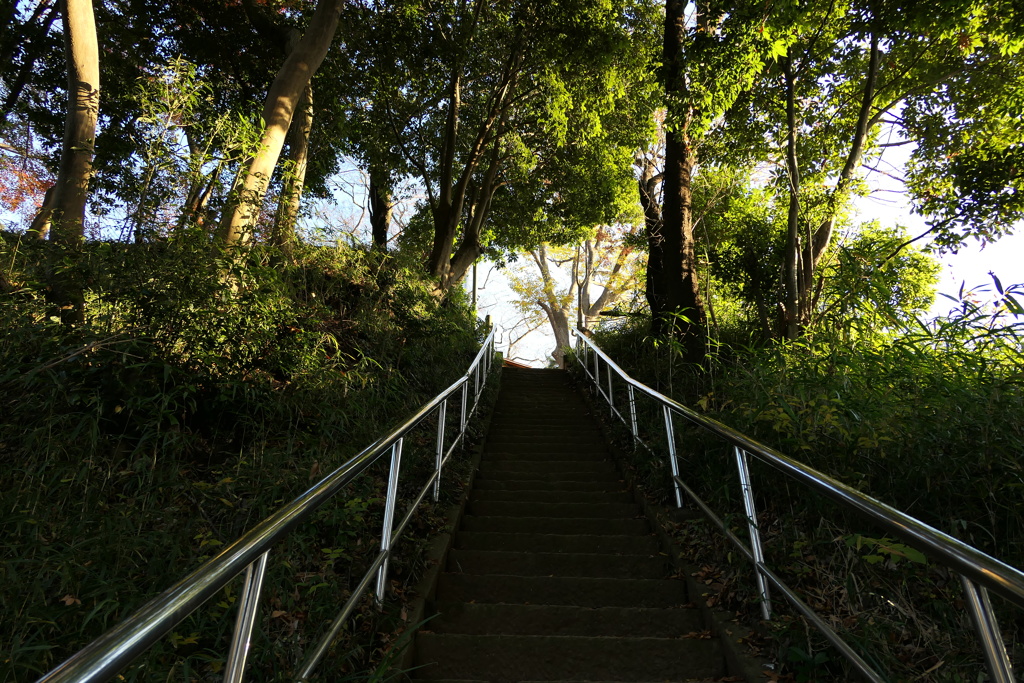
[927, 420]
[198, 398]
[965, 172]
[184, 148]
[874, 281]
[871, 280]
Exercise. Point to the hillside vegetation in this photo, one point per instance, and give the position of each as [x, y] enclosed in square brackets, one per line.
[200, 396]
[927, 419]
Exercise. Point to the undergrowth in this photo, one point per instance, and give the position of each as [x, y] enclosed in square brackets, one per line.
[930, 421]
[201, 394]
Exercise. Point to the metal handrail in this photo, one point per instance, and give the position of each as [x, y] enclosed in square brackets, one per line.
[111, 652]
[978, 571]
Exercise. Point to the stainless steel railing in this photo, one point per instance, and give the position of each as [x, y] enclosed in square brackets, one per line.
[105, 657]
[979, 573]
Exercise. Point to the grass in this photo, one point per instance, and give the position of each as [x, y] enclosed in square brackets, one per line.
[188, 407]
[929, 422]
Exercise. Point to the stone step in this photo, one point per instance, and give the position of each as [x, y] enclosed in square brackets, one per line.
[547, 441]
[549, 467]
[552, 432]
[562, 526]
[608, 477]
[537, 451]
[483, 484]
[514, 429]
[521, 563]
[557, 409]
[551, 496]
[541, 420]
[543, 417]
[688, 680]
[564, 620]
[610, 544]
[553, 574]
[557, 590]
[565, 658]
[524, 453]
[592, 510]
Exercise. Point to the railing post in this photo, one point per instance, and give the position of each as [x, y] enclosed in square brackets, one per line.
[755, 533]
[611, 398]
[673, 460]
[234, 667]
[462, 419]
[597, 373]
[389, 517]
[987, 628]
[442, 416]
[632, 413]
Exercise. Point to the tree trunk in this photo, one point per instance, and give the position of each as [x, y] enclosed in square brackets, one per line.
[560, 324]
[470, 248]
[40, 226]
[239, 218]
[823, 235]
[653, 227]
[804, 251]
[63, 212]
[446, 217]
[683, 317]
[610, 294]
[71, 189]
[793, 271]
[283, 236]
[557, 316]
[447, 209]
[381, 205]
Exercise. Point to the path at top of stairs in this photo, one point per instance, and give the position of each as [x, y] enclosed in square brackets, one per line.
[554, 575]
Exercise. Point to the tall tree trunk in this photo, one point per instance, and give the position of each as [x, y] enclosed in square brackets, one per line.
[684, 313]
[559, 320]
[240, 215]
[653, 229]
[283, 235]
[381, 205]
[610, 294]
[445, 212]
[804, 251]
[470, 248]
[70, 191]
[793, 271]
[448, 207]
[865, 118]
[63, 212]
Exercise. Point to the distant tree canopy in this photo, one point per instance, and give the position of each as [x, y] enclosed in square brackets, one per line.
[520, 123]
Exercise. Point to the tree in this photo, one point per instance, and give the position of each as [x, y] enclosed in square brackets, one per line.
[481, 99]
[844, 73]
[63, 212]
[283, 99]
[604, 261]
[706, 64]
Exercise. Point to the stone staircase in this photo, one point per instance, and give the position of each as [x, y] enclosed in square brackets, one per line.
[554, 574]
